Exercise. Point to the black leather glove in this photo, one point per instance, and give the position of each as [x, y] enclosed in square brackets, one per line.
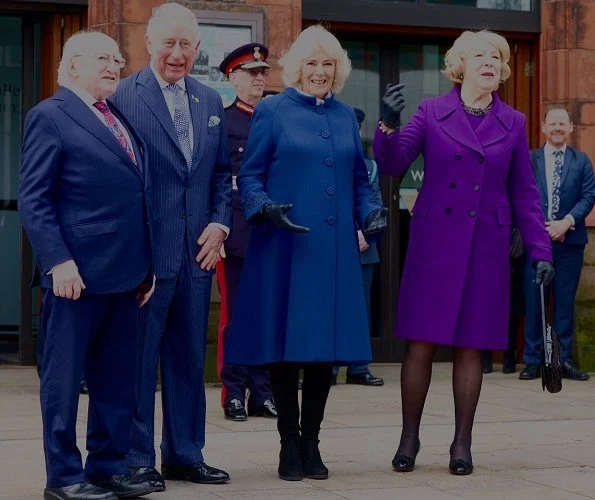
[376, 222]
[544, 272]
[277, 214]
[393, 103]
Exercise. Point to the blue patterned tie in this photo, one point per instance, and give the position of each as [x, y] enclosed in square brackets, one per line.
[182, 121]
[559, 161]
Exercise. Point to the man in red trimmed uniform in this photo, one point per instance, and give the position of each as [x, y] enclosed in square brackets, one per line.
[247, 70]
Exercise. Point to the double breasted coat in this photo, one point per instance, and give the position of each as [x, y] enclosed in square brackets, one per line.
[301, 296]
[455, 288]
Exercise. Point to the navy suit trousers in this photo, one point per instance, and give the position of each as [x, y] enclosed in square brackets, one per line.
[173, 328]
[568, 263]
[96, 336]
[236, 379]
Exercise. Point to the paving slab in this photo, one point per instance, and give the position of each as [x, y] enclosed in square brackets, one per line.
[527, 444]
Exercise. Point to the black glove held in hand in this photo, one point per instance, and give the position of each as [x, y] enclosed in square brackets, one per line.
[376, 222]
[544, 272]
[393, 103]
[277, 214]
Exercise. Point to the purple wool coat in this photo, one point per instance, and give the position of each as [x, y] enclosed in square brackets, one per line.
[477, 185]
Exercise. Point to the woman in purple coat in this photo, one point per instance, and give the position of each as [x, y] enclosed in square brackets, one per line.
[478, 183]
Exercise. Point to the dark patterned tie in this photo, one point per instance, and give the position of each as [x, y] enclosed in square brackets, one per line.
[559, 161]
[182, 121]
[114, 127]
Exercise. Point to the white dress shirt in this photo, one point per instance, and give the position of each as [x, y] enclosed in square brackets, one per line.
[169, 101]
[550, 161]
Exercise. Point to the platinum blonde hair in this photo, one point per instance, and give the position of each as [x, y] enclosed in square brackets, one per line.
[82, 42]
[454, 61]
[172, 13]
[309, 41]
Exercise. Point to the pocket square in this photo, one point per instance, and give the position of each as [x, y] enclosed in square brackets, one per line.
[214, 121]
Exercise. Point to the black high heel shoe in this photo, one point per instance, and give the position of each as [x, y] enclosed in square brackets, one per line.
[460, 466]
[405, 463]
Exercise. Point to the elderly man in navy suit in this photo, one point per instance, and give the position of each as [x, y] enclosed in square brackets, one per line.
[83, 202]
[183, 125]
[567, 190]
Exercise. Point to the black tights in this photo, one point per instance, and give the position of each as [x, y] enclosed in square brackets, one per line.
[416, 374]
[315, 390]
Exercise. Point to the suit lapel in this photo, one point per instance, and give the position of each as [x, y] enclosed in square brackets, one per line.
[496, 125]
[453, 121]
[540, 173]
[134, 142]
[80, 113]
[152, 94]
[198, 113]
[568, 164]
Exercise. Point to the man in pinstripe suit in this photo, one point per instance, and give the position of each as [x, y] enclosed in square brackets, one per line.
[183, 125]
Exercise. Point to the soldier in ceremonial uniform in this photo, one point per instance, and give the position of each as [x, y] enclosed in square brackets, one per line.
[247, 70]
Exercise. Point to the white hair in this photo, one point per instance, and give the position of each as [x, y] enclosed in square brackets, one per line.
[307, 43]
[82, 42]
[172, 13]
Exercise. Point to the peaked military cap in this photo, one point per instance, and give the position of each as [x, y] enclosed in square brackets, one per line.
[249, 56]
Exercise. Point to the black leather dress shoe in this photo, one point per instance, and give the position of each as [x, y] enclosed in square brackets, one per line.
[509, 365]
[530, 372]
[123, 486]
[235, 411]
[365, 379]
[78, 491]
[405, 463]
[83, 389]
[569, 371]
[266, 410]
[149, 474]
[196, 473]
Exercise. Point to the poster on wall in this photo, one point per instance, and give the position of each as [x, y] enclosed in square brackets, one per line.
[216, 42]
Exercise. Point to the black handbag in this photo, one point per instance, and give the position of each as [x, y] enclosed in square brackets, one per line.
[551, 365]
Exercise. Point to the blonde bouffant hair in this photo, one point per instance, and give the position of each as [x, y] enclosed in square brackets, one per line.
[454, 61]
[309, 41]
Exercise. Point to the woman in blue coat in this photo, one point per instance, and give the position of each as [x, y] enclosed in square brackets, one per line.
[304, 186]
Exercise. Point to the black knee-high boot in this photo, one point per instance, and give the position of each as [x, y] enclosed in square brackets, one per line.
[284, 382]
[315, 390]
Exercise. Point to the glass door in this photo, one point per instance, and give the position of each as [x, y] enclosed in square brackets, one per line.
[11, 110]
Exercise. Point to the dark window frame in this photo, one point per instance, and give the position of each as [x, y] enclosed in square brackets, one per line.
[422, 14]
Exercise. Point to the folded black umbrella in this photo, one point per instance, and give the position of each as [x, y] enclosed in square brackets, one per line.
[551, 364]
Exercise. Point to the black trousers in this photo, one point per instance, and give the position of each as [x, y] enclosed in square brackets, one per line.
[315, 389]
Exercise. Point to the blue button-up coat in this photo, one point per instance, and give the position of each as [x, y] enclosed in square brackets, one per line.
[301, 296]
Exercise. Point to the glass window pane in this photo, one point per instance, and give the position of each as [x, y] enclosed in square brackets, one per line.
[11, 86]
[524, 5]
[419, 70]
[362, 89]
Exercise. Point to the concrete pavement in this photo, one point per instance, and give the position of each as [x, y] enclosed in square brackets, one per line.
[527, 444]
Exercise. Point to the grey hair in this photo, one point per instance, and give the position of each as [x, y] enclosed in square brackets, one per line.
[72, 47]
[306, 44]
[169, 12]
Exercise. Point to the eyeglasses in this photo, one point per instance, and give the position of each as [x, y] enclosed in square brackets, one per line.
[105, 59]
[254, 72]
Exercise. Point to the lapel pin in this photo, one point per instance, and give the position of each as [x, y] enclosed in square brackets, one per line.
[195, 99]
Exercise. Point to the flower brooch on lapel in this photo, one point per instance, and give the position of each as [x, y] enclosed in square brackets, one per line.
[214, 121]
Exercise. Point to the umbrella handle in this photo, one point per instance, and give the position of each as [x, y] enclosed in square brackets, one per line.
[543, 318]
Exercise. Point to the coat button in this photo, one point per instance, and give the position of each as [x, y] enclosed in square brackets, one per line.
[457, 156]
[241, 149]
[476, 187]
[453, 185]
[330, 190]
[448, 210]
[325, 134]
[481, 159]
[329, 161]
[331, 220]
[472, 213]
[320, 110]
